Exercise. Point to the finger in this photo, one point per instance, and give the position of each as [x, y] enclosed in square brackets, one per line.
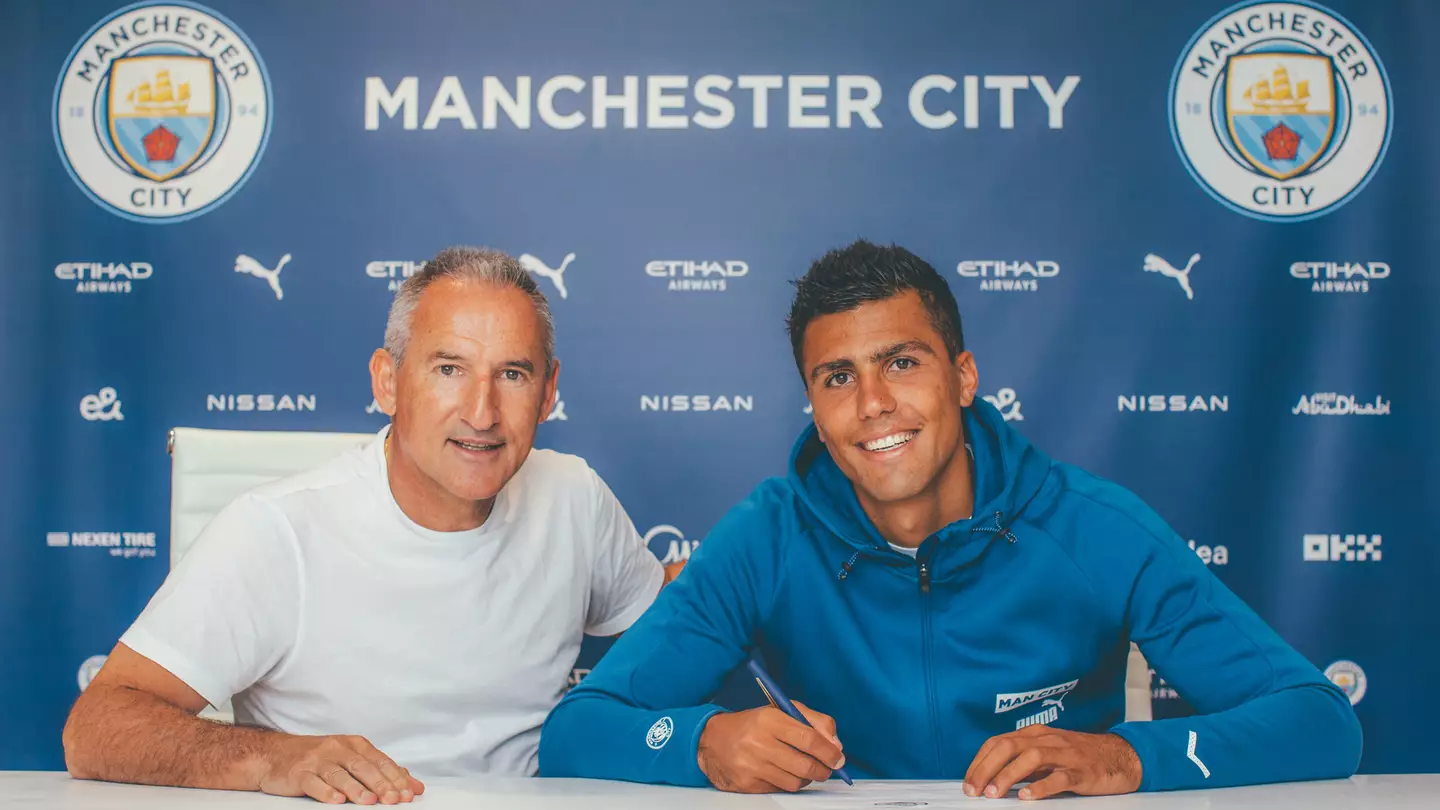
[368, 772]
[783, 780]
[994, 755]
[319, 790]
[396, 778]
[1018, 768]
[823, 723]
[810, 742]
[797, 764]
[1056, 783]
[972, 789]
[341, 780]
[416, 785]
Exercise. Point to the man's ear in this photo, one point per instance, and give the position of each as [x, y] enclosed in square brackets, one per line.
[969, 377]
[383, 374]
[552, 390]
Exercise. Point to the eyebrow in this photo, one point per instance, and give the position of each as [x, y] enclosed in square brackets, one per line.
[528, 366]
[900, 348]
[878, 357]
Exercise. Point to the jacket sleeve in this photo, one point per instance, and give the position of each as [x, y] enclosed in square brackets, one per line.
[639, 714]
[1265, 714]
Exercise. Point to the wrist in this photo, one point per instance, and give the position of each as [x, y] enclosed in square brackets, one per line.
[262, 757]
[1128, 765]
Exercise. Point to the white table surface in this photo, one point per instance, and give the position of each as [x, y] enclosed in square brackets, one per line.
[57, 791]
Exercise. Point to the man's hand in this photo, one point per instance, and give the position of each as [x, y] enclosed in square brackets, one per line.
[335, 769]
[1058, 761]
[765, 750]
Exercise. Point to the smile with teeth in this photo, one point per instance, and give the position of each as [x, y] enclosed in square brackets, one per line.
[477, 447]
[890, 442]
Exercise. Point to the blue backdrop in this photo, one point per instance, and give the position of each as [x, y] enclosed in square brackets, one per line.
[1194, 248]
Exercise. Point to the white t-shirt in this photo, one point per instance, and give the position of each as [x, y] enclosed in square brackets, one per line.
[323, 609]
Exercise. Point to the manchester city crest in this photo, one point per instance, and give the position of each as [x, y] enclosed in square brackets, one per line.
[1281, 111]
[162, 111]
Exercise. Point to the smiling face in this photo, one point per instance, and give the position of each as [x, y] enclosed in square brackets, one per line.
[465, 402]
[887, 401]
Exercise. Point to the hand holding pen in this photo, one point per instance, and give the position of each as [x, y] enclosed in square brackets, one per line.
[765, 750]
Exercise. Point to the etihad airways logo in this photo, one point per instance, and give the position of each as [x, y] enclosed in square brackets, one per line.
[1340, 277]
[714, 102]
[687, 275]
[1003, 276]
[103, 277]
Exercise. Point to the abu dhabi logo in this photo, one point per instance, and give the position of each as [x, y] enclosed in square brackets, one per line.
[1156, 264]
[555, 274]
[678, 549]
[1007, 402]
[101, 407]
[1333, 404]
[247, 265]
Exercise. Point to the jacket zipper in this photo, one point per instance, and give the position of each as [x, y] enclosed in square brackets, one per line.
[928, 655]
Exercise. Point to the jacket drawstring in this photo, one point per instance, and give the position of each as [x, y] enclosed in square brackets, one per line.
[1000, 529]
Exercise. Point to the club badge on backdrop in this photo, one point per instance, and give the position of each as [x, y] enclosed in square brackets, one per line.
[1281, 111]
[162, 111]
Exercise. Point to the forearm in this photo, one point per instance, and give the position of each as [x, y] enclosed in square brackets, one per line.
[598, 737]
[1304, 732]
[120, 734]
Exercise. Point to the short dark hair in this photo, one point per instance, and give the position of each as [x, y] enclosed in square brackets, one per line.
[862, 272]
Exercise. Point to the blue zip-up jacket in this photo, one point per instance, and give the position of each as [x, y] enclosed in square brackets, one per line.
[1022, 614]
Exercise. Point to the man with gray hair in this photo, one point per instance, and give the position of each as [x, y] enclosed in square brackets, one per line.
[424, 596]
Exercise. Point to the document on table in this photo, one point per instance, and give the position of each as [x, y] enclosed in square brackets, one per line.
[885, 794]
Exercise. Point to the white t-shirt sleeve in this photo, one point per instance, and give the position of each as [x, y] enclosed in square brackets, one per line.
[228, 613]
[625, 577]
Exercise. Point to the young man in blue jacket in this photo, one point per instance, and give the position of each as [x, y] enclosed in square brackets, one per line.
[952, 602]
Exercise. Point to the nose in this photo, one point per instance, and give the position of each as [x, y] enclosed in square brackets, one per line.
[875, 399]
[482, 406]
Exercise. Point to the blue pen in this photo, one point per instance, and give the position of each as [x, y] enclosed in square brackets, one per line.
[772, 691]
